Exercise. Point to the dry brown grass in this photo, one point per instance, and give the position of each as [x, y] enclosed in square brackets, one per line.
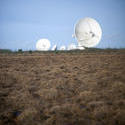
[62, 88]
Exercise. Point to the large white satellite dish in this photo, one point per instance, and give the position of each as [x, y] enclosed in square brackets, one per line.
[62, 48]
[43, 45]
[88, 32]
[54, 47]
[72, 47]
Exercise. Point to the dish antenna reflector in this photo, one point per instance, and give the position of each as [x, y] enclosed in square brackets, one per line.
[88, 32]
[43, 45]
[54, 47]
[72, 47]
[62, 48]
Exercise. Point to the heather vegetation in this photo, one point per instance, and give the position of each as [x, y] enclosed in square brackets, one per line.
[63, 87]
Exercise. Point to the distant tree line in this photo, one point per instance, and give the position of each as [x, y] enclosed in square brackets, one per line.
[5, 51]
[65, 51]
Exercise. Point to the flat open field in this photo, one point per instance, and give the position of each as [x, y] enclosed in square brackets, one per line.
[82, 88]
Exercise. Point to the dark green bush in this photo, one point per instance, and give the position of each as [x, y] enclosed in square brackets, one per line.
[20, 50]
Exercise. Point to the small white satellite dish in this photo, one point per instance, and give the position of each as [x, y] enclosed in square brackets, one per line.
[72, 47]
[54, 47]
[73, 35]
[80, 47]
[62, 48]
[43, 45]
[88, 32]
